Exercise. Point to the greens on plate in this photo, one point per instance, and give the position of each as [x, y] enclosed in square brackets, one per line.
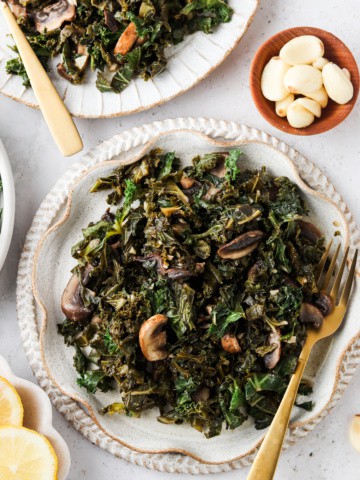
[194, 291]
[120, 40]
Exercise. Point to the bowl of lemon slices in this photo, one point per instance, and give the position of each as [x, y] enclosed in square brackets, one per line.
[29, 444]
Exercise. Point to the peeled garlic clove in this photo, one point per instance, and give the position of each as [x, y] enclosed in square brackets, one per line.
[311, 105]
[302, 50]
[320, 63]
[303, 79]
[319, 96]
[281, 106]
[355, 432]
[347, 73]
[337, 84]
[272, 80]
[298, 116]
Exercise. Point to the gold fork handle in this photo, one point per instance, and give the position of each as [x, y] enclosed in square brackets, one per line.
[265, 463]
[55, 113]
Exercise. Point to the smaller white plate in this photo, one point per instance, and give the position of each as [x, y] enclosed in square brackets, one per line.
[7, 203]
[38, 415]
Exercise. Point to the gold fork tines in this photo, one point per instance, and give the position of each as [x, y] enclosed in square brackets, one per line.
[265, 463]
[344, 299]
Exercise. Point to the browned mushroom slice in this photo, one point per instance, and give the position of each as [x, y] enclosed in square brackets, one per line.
[324, 303]
[54, 15]
[220, 169]
[242, 245]
[230, 344]
[211, 193]
[309, 231]
[152, 338]
[271, 359]
[179, 273]
[311, 315]
[126, 40]
[201, 395]
[71, 301]
[110, 21]
[187, 182]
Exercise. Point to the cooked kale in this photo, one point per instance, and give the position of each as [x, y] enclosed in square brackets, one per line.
[216, 257]
[119, 39]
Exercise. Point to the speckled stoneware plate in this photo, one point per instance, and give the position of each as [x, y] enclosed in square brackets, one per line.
[188, 63]
[38, 415]
[46, 262]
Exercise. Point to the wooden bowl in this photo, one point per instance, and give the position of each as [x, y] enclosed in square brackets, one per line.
[335, 51]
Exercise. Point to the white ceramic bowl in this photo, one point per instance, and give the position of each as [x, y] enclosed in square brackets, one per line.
[7, 203]
[38, 415]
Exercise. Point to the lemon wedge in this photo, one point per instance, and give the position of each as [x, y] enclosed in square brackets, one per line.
[11, 408]
[26, 455]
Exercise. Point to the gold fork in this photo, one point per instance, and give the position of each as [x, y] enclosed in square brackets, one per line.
[267, 458]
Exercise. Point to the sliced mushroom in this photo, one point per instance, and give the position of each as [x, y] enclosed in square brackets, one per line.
[179, 273]
[220, 169]
[230, 344]
[201, 395]
[211, 193]
[71, 301]
[324, 303]
[191, 190]
[242, 245]
[126, 40]
[309, 231]
[187, 182]
[110, 20]
[152, 338]
[54, 15]
[17, 9]
[271, 359]
[311, 315]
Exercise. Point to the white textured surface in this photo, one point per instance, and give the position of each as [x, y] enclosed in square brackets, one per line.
[325, 454]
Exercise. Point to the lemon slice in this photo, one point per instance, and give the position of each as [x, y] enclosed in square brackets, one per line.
[26, 455]
[11, 408]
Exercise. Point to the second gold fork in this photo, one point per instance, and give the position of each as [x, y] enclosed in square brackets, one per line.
[267, 458]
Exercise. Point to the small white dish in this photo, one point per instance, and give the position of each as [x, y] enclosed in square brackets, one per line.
[38, 415]
[7, 203]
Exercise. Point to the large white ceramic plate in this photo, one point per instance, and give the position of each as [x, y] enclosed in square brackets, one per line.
[69, 206]
[7, 204]
[188, 63]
